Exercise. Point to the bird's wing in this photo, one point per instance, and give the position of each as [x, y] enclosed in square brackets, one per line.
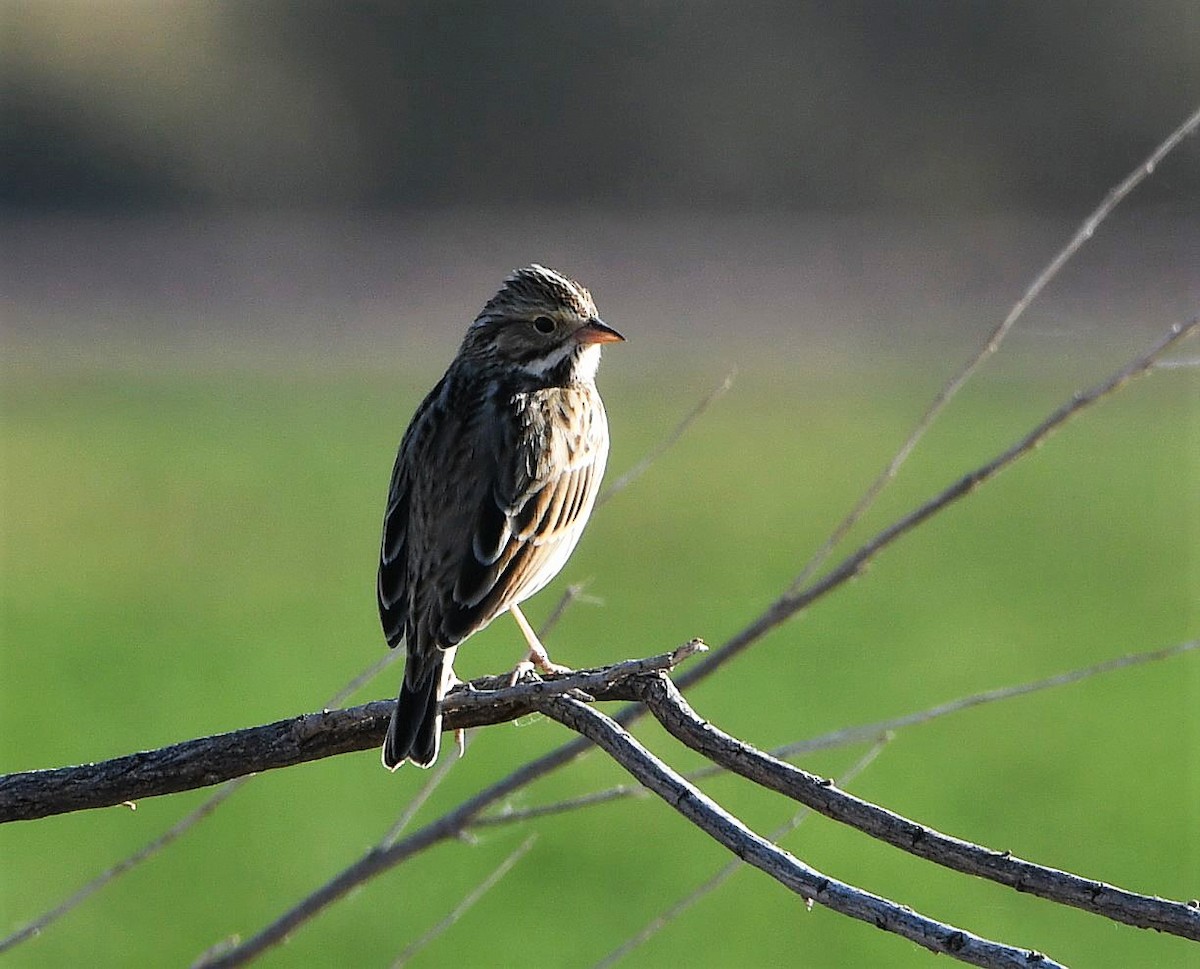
[546, 465]
[392, 585]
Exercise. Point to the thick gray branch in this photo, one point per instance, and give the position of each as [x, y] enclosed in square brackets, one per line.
[1143, 911]
[789, 871]
[198, 763]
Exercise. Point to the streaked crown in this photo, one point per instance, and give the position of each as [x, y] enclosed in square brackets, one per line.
[535, 290]
[540, 324]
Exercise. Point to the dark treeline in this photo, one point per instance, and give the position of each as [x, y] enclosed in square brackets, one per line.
[770, 103]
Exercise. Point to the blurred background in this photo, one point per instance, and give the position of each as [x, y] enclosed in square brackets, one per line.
[239, 241]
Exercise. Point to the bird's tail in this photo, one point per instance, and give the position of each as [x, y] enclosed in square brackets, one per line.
[415, 732]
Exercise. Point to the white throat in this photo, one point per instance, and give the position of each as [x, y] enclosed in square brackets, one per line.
[586, 363]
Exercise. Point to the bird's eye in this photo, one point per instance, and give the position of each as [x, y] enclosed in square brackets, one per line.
[543, 324]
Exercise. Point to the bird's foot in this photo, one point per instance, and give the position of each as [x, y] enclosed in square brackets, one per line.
[524, 670]
[532, 665]
[541, 659]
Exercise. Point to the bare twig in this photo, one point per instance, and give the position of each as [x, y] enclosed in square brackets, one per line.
[461, 909]
[1117, 904]
[755, 850]
[509, 815]
[571, 595]
[454, 823]
[1183, 363]
[795, 600]
[639, 469]
[34, 927]
[1085, 231]
[1020, 874]
[362, 679]
[195, 763]
[727, 871]
[867, 731]
[432, 783]
[382, 858]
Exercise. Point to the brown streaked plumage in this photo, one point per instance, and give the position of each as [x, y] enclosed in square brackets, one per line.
[494, 481]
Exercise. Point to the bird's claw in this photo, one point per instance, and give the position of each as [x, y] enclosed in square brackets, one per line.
[532, 666]
[525, 670]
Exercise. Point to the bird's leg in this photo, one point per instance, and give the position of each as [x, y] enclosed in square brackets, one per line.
[538, 657]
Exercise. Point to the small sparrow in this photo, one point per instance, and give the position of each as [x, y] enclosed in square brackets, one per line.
[494, 482]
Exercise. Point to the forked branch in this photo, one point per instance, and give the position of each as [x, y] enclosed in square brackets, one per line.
[660, 696]
[786, 869]
[1143, 911]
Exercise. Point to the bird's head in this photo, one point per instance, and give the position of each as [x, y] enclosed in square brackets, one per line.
[542, 324]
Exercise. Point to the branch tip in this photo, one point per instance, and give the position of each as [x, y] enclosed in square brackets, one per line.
[688, 650]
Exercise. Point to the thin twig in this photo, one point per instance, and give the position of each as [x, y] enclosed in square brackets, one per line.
[448, 826]
[380, 859]
[795, 600]
[1183, 363]
[511, 815]
[729, 831]
[571, 594]
[464, 906]
[727, 871]
[432, 783]
[855, 735]
[1085, 231]
[639, 469]
[36, 926]
[362, 679]
[1143, 911]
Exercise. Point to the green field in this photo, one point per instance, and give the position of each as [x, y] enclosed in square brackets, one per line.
[191, 551]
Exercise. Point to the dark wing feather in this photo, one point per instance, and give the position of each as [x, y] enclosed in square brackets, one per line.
[392, 584]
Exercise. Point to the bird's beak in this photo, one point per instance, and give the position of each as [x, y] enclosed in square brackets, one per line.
[597, 331]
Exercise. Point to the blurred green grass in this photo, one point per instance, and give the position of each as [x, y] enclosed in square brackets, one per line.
[190, 552]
